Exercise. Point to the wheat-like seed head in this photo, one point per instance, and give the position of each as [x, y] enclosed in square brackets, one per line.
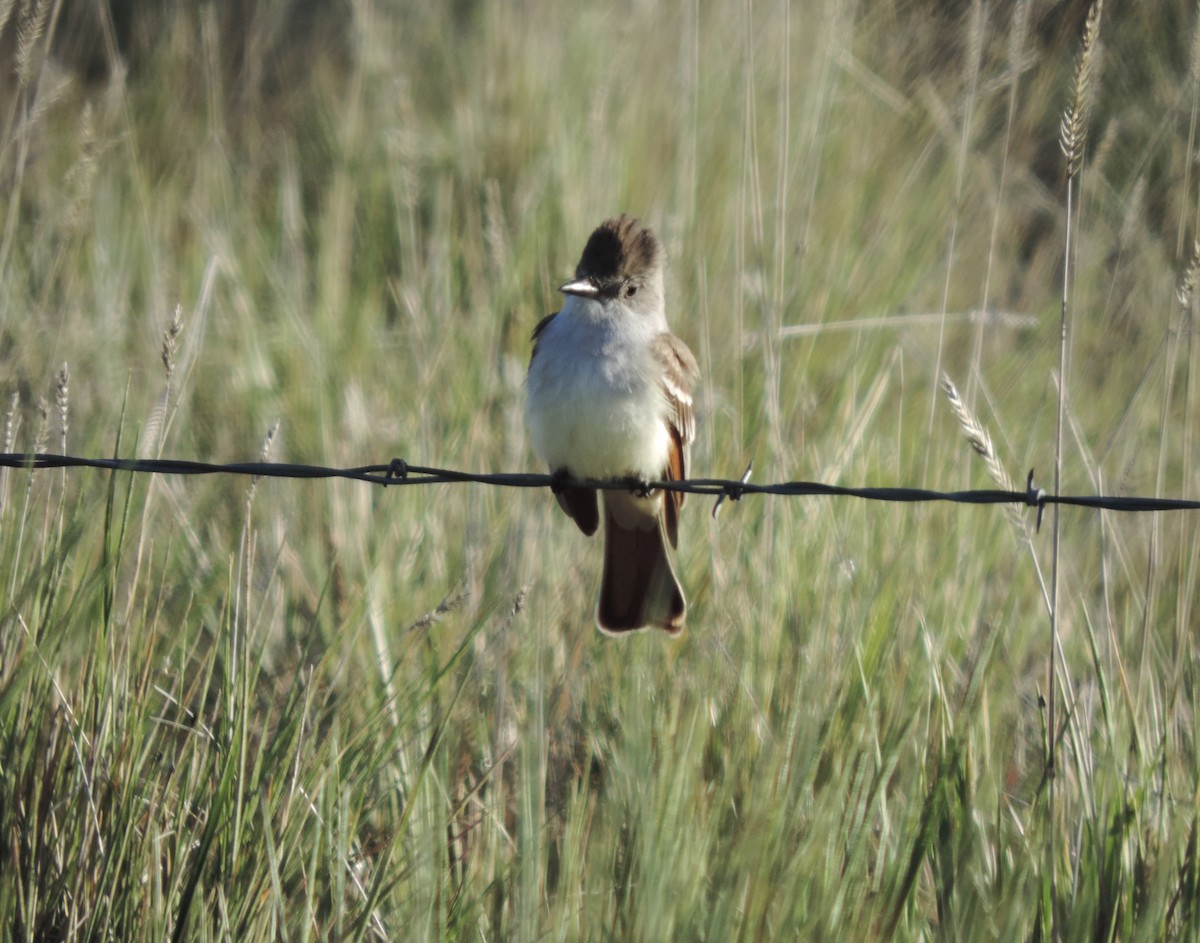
[62, 399]
[268, 442]
[6, 8]
[1017, 34]
[1134, 209]
[981, 441]
[977, 30]
[1195, 64]
[30, 28]
[12, 419]
[494, 228]
[453, 601]
[264, 455]
[1073, 129]
[41, 435]
[170, 343]
[156, 421]
[1191, 274]
[80, 178]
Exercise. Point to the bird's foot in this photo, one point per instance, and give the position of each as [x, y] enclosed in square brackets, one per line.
[558, 480]
[639, 486]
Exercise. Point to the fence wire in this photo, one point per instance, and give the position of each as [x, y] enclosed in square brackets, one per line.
[398, 472]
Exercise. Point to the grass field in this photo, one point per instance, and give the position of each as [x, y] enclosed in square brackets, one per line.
[328, 711]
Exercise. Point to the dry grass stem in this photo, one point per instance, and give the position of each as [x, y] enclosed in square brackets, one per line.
[988, 317]
[12, 420]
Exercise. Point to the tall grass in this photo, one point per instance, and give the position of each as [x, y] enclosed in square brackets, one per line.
[298, 710]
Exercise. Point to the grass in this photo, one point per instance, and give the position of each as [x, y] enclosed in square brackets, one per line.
[318, 710]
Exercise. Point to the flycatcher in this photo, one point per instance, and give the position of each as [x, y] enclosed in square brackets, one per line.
[610, 396]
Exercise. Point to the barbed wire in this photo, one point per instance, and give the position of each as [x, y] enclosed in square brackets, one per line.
[398, 472]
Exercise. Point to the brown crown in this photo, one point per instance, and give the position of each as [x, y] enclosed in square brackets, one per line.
[621, 246]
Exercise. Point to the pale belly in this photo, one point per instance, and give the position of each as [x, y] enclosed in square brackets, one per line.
[596, 421]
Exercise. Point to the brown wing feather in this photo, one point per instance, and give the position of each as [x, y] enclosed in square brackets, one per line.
[680, 375]
[580, 505]
[673, 501]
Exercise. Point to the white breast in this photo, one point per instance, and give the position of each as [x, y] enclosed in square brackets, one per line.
[595, 406]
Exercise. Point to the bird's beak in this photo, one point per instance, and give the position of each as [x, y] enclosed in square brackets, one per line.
[583, 287]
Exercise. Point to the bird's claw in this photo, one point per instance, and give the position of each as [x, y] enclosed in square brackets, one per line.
[558, 480]
[640, 487]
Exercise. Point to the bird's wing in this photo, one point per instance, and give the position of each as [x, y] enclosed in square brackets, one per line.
[680, 374]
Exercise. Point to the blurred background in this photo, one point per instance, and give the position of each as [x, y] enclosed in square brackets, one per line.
[323, 232]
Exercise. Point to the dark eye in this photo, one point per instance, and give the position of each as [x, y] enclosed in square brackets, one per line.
[630, 291]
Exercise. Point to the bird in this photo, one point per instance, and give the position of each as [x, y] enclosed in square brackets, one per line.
[609, 396]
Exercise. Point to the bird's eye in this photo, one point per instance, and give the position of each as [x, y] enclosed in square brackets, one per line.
[630, 291]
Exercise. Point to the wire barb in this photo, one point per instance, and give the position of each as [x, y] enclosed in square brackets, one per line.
[1035, 498]
[398, 469]
[733, 491]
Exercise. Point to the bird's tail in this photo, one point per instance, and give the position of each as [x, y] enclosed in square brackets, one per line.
[639, 588]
